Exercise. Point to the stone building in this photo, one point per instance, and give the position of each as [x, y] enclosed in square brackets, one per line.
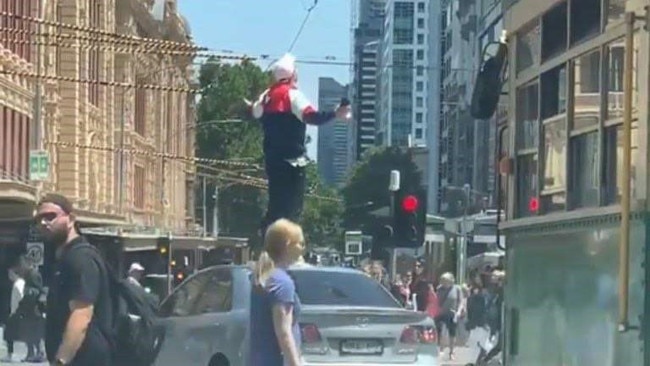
[84, 124]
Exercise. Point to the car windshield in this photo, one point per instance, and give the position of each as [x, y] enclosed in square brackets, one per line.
[340, 288]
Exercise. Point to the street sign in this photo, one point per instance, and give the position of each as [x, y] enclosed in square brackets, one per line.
[35, 253]
[353, 243]
[39, 165]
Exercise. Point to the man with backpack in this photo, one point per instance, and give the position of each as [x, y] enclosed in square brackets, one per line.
[94, 316]
[79, 305]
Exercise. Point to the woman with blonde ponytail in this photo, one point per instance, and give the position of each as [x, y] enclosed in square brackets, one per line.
[275, 306]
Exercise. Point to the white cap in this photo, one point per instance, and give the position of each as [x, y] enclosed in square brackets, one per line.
[135, 266]
[284, 68]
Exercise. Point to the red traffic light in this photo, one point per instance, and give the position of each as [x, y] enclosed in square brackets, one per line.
[533, 204]
[410, 204]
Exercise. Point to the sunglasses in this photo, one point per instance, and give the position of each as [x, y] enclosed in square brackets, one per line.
[46, 217]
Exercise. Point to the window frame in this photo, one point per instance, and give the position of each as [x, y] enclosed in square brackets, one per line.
[607, 37]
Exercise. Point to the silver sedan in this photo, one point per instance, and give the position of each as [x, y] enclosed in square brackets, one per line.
[347, 319]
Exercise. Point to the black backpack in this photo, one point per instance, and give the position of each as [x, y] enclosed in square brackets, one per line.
[137, 334]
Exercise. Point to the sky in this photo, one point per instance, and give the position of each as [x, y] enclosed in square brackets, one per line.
[257, 27]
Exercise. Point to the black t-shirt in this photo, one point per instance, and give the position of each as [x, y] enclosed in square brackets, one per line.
[79, 276]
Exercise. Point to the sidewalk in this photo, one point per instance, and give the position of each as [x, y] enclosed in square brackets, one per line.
[20, 352]
[463, 356]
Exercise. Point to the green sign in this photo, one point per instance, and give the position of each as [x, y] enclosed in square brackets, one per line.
[39, 165]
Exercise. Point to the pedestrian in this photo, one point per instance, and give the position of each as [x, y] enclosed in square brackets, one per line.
[450, 300]
[285, 113]
[136, 271]
[275, 306]
[12, 328]
[79, 311]
[30, 309]
[420, 285]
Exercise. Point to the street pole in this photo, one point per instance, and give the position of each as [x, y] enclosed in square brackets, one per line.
[215, 212]
[204, 223]
[463, 239]
[121, 156]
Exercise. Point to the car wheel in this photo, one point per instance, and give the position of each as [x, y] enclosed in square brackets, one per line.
[219, 360]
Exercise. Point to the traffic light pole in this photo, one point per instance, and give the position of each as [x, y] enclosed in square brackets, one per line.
[462, 244]
[170, 278]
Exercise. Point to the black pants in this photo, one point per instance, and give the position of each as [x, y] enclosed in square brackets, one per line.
[10, 347]
[286, 191]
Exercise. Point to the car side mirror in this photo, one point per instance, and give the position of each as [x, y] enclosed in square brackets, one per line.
[489, 81]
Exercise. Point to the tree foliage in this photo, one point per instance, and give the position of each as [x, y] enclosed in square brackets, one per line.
[241, 206]
[321, 218]
[224, 86]
[367, 189]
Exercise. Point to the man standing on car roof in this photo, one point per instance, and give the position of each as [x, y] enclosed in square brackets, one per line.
[285, 113]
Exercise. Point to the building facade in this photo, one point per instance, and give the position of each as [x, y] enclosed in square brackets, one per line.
[92, 104]
[366, 43]
[403, 84]
[336, 139]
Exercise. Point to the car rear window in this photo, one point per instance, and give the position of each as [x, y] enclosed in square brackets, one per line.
[340, 288]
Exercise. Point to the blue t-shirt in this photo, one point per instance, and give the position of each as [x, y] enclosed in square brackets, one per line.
[278, 289]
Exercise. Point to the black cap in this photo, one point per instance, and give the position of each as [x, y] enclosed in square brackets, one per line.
[59, 200]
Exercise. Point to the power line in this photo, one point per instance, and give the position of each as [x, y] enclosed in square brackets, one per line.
[302, 26]
[101, 32]
[152, 154]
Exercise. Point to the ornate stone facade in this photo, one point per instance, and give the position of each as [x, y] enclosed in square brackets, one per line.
[85, 124]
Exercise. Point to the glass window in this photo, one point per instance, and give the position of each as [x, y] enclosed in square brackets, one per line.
[584, 170]
[614, 163]
[419, 102]
[420, 23]
[418, 117]
[419, 86]
[526, 183]
[402, 36]
[554, 31]
[585, 19]
[586, 89]
[555, 155]
[181, 302]
[554, 92]
[420, 7]
[420, 38]
[418, 133]
[615, 67]
[419, 70]
[616, 11]
[527, 116]
[340, 288]
[528, 46]
[420, 55]
[217, 293]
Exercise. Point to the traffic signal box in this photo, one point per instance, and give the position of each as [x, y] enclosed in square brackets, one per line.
[163, 246]
[409, 218]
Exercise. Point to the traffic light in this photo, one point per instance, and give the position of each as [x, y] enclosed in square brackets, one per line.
[409, 218]
[163, 246]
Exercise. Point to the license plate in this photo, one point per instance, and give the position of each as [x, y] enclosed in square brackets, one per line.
[362, 347]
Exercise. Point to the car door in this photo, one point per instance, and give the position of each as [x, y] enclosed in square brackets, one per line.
[197, 319]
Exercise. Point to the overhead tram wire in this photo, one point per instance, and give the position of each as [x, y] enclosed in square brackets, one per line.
[101, 32]
[229, 174]
[244, 179]
[302, 26]
[129, 47]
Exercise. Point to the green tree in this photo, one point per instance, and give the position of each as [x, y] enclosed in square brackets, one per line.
[321, 218]
[224, 86]
[367, 189]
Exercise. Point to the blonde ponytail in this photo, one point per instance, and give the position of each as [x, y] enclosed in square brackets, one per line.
[263, 268]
